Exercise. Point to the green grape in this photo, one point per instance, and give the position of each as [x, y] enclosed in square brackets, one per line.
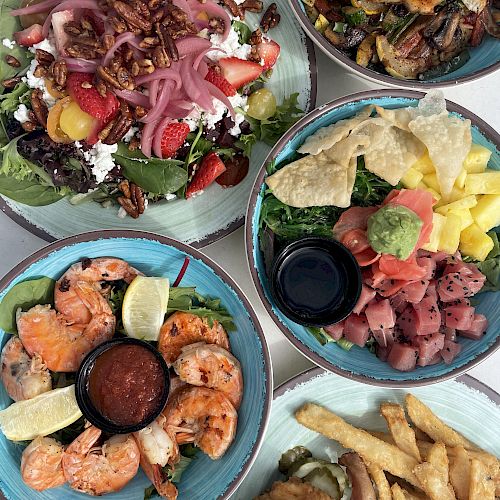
[261, 104]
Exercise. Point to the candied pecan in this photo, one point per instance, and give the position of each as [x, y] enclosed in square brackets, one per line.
[139, 112]
[103, 134]
[216, 24]
[127, 54]
[28, 126]
[149, 42]
[138, 196]
[167, 42]
[39, 107]
[120, 127]
[142, 8]
[12, 61]
[117, 24]
[234, 8]
[132, 17]
[122, 80]
[256, 37]
[76, 50]
[43, 57]
[60, 72]
[271, 18]
[154, 4]
[86, 41]
[108, 41]
[135, 68]
[157, 15]
[252, 6]
[86, 23]
[10, 83]
[86, 85]
[128, 206]
[160, 57]
[146, 66]
[134, 143]
[102, 88]
[40, 71]
[124, 187]
[72, 28]
[115, 63]
[125, 79]
[32, 116]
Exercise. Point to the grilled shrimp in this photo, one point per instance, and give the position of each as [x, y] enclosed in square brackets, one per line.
[204, 417]
[61, 343]
[183, 328]
[23, 377]
[158, 448]
[67, 299]
[97, 470]
[211, 366]
[41, 464]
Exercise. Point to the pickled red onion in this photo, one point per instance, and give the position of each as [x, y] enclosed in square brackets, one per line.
[153, 92]
[147, 138]
[178, 110]
[161, 103]
[120, 40]
[79, 65]
[220, 96]
[162, 74]
[191, 45]
[133, 97]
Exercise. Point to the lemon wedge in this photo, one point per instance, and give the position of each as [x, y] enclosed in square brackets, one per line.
[144, 307]
[41, 415]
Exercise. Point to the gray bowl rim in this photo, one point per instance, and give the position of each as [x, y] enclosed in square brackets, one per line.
[318, 360]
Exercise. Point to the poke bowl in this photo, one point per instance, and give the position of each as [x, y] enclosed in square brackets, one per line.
[202, 303]
[393, 44]
[278, 214]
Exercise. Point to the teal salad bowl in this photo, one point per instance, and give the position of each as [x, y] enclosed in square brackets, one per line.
[359, 363]
[156, 255]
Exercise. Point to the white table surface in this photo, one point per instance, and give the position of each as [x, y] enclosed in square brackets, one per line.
[481, 97]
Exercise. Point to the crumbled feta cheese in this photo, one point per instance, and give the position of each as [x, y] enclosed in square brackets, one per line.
[46, 45]
[132, 131]
[170, 196]
[34, 82]
[99, 156]
[122, 213]
[21, 114]
[231, 47]
[239, 2]
[239, 119]
[8, 43]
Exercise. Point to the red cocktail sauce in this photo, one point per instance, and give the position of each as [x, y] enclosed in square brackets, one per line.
[126, 384]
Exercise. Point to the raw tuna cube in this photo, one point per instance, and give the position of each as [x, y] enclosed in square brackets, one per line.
[356, 329]
[403, 357]
[460, 280]
[432, 361]
[335, 331]
[429, 265]
[477, 329]
[431, 290]
[449, 333]
[388, 287]
[428, 316]
[367, 294]
[380, 315]
[398, 303]
[406, 322]
[383, 352]
[449, 351]
[384, 337]
[428, 346]
[459, 317]
[414, 292]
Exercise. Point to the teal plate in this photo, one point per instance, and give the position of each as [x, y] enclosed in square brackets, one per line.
[359, 363]
[154, 255]
[466, 404]
[211, 216]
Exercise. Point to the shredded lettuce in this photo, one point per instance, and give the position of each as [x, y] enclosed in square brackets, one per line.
[323, 338]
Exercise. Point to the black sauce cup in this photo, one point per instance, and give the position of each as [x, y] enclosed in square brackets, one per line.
[328, 267]
[91, 413]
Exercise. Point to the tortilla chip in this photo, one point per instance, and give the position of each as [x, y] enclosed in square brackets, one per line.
[448, 140]
[326, 137]
[311, 181]
[399, 118]
[351, 147]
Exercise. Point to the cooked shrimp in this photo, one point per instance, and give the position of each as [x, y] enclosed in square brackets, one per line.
[158, 448]
[61, 344]
[67, 299]
[211, 366]
[97, 470]
[182, 329]
[23, 377]
[41, 464]
[204, 417]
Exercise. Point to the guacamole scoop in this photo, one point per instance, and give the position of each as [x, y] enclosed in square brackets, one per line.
[394, 229]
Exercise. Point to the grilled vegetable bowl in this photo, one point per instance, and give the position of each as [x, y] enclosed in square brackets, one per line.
[430, 272]
[406, 43]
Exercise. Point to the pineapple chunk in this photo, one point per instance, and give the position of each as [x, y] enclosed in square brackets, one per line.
[450, 235]
[460, 182]
[425, 187]
[467, 202]
[412, 178]
[465, 216]
[438, 222]
[455, 195]
[477, 159]
[432, 181]
[486, 183]
[475, 243]
[321, 23]
[424, 164]
[486, 213]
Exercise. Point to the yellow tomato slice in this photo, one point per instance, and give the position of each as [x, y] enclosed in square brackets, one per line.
[53, 128]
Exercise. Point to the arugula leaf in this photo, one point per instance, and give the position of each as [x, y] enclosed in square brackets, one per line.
[246, 142]
[154, 175]
[24, 295]
[8, 26]
[10, 101]
[180, 467]
[243, 30]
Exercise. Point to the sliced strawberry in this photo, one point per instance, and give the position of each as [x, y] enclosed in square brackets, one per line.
[220, 82]
[239, 72]
[89, 99]
[29, 36]
[173, 138]
[211, 167]
[268, 51]
[59, 19]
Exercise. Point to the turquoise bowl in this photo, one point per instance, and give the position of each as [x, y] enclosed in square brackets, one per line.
[358, 363]
[156, 255]
[484, 59]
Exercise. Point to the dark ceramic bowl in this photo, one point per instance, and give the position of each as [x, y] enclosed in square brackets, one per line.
[359, 363]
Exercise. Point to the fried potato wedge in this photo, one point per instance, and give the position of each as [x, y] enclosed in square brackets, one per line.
[481, 484]
[460, 472]
[378, 477]
[400, 430]
[433, 482]
[388, 457]
[438, 457]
